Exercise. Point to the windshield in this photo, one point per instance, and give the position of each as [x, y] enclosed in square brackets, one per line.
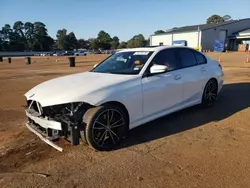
[124, 63]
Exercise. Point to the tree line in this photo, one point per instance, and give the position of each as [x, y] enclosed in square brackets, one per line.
[34, 37]
[25, 37]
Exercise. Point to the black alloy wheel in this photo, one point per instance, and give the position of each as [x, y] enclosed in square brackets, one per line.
[210, 93]
[105, 126]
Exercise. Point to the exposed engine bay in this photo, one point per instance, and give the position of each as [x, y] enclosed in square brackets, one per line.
[58, 121]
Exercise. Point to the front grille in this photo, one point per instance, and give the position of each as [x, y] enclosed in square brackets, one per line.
[34, 105]
[29, 102]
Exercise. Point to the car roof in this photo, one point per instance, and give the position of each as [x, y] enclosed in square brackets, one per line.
[152, 48]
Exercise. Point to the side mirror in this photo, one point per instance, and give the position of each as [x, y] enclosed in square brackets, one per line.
[95, 65]
[158, 69]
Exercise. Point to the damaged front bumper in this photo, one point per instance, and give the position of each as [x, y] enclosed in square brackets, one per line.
[65, 124]
[42, 137]
[43, 122]
[46, 130]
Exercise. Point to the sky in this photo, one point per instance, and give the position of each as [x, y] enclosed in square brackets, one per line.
[122, 18]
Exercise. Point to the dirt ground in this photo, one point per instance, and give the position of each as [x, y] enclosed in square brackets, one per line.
[191, 148]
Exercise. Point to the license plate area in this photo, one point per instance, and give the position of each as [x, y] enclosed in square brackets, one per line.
[50, 134]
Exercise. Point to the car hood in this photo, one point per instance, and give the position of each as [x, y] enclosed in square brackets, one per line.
[72, 88]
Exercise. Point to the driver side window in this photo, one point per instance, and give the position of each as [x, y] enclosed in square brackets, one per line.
[166, 57]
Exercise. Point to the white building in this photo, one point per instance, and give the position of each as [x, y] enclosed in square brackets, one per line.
[230, 33]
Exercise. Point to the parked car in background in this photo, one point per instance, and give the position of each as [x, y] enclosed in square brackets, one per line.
[96, 52]
[58, 54]
[49, 53]
[126, 90]
[108, 51]
[81, 53]
[68, 53]
[46, 54]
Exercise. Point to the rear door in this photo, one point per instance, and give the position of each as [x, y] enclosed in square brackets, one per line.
[193, 66]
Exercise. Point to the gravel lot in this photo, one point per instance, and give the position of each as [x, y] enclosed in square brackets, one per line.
[192, 148]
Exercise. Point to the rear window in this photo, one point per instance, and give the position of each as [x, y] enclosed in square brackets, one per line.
[200, 58]
[187, 58]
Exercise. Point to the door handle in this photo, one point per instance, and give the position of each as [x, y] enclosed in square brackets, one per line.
[177, 77]
[203, 69]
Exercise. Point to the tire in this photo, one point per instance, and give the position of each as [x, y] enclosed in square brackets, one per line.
[83, 135]
[210, 93]
[106, 126]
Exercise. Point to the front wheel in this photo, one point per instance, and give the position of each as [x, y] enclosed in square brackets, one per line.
[105, 126]
[210, 93]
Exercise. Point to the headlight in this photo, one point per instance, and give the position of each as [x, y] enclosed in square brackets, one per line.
[67, 109]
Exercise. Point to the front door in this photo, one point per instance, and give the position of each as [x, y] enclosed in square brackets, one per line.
[162, 91]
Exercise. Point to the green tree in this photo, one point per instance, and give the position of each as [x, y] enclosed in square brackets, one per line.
[87, 44]
[116, 39]
[115, 42]
[1, 41]
[6, 33]
[104, 40]
[81, 43]
[94, 43]
[159, 32]
[29, 35]
[122, 45]
[18, 27]
[137, 41]
[11, 39]
[66, 41]
[48, 43]
[16, 43]
[215, 19]
[148, 42]
[42, 41]
[55, 46]
[18, 35]
[61, 38]
[70, 41]
[25, 36]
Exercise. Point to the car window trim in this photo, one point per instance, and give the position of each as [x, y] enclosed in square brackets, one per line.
[151, 53]
[149, 65]
[179, 58]
[194, 51]
[100, 63]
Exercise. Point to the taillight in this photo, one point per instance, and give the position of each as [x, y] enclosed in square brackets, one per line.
[220, 66]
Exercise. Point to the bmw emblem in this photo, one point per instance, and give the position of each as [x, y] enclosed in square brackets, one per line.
[31, 95]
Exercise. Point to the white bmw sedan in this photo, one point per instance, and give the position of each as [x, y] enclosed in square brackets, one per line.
[128, 89]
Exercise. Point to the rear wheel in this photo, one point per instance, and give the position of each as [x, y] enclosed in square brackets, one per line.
[210, 93]
[105, 127]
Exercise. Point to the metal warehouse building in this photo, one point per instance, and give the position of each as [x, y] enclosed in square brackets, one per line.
[204, 37]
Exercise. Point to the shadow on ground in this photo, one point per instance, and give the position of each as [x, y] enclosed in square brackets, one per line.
[232, 99]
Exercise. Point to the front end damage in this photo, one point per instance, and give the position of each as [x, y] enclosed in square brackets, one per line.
[51, 123]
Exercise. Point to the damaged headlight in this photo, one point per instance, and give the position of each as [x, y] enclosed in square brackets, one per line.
[71, 110]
